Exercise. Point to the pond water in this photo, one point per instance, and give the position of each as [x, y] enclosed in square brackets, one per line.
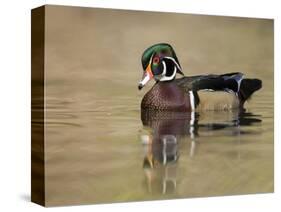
[102, 152]
[97, 147]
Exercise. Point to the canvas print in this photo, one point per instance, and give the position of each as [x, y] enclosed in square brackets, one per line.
[138, 105]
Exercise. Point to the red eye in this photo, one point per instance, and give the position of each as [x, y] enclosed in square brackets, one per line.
[156, 60]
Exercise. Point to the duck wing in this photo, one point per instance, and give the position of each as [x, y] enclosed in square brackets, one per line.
[226, 82]
[230, 82]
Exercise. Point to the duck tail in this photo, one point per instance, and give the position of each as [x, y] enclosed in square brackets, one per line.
[247, 88]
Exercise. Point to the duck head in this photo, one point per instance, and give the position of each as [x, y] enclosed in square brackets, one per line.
[159, 62]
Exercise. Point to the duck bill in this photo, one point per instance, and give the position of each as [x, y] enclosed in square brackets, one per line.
[147, 76]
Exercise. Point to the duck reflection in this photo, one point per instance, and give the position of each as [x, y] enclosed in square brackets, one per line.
[165, 131]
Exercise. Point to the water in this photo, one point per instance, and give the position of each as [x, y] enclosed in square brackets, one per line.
[97, 147]
[104, 153]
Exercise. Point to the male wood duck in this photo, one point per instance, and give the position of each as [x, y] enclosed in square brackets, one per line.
[203, 92]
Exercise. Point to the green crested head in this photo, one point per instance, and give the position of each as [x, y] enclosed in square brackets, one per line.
[159, 62]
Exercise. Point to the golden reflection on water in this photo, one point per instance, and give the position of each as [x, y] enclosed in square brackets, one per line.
[98, 149]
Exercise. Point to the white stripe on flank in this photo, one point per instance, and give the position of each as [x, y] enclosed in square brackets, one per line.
[192, 103]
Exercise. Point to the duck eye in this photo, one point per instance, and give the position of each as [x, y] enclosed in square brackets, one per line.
[156, 60]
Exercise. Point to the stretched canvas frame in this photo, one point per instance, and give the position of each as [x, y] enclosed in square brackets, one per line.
[85, 70]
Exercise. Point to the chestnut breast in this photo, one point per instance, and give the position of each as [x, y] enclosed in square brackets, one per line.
[166, 96]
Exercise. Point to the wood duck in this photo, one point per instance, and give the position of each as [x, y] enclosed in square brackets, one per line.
[190, 93]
